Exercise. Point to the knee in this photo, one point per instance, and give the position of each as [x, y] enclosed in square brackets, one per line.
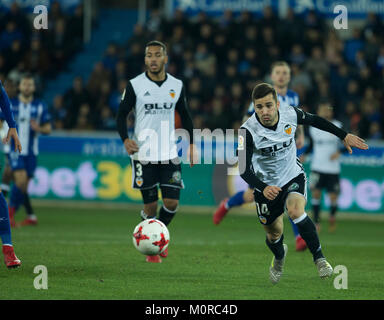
[273, 236]
[22, 185]
[294, 212]
[171, 204]
[333, 198]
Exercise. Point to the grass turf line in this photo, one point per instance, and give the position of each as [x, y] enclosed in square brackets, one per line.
[89, 255]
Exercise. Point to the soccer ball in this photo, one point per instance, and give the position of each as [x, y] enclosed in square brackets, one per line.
[151, 237]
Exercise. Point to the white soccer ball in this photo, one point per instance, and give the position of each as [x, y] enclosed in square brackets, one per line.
[151, 237]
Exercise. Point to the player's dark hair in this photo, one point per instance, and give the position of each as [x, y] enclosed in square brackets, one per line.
[263, 89]
[27, 75]
[156, 43]
[278, 64]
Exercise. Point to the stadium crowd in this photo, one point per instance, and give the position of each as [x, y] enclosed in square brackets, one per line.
[44, 53]
[220, 60]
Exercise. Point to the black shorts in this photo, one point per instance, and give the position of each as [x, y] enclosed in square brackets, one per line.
[269, 210]
[147, 177]
[327, 181]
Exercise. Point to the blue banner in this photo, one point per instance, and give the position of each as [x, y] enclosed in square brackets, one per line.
[357, 9]
[29, 5]
[217, 7]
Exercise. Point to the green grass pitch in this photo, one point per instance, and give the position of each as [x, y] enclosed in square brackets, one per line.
[89, 255]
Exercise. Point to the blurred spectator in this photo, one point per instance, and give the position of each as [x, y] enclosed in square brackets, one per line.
[84, 118]
[204, 60]
[300, 77]
[353, 45]
[13, 54]
[37, 58]
[60, 44]
[374, 131]
[110, 57]
[380, 59]
[58, 112]
[98, 75]
[3, 64]
[135, 60]
[76, 27]
[9, 35]
[73, 99]
[316, 64]
[217, 116]
[297, 55]
[107, 119]
[19, 18]
[116, 95]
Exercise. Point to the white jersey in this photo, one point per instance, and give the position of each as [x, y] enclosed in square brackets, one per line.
[155, 118]
[324, 145]
[274, 157]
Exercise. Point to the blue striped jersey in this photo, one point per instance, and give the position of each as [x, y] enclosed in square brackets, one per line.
[24, 113]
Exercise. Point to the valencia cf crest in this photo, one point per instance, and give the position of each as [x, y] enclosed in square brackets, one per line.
[263, 219]
[139, 181]
[288, 129]
[172, 93]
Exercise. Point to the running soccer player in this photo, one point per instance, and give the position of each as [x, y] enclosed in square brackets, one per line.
[154, 96]
[268, 163]
[32, 119]
[325, 166]
[10, 259]
[280, 76]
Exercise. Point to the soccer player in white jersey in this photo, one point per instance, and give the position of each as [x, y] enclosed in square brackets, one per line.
[325, 166]
[154, 96]
[280, 76]
[32, 118]
[268, 163]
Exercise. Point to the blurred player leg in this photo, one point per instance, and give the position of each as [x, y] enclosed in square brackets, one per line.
[236, 200]
[315, 202]
[300, 242]
[31, 219]
[332, 217]
[10, 259]
[7, 178]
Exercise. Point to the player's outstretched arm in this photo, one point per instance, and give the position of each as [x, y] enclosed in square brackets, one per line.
[348, 139]
[354, 141]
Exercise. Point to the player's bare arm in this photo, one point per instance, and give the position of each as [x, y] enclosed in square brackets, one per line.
[354, 141]
[46, 128]
[12, 134]
[130, 146]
